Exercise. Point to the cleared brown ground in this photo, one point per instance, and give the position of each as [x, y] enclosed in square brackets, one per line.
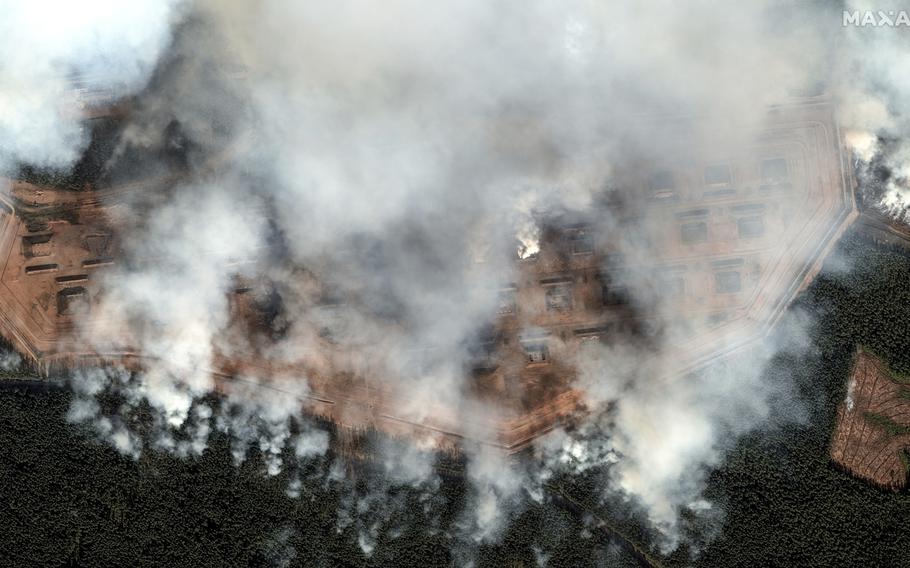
[873, 424]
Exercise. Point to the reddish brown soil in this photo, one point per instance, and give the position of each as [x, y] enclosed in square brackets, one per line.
[873, 424]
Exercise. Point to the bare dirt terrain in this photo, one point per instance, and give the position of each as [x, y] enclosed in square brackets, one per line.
[873, 424]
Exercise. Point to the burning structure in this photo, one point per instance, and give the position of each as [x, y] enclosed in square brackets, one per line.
[732, 236]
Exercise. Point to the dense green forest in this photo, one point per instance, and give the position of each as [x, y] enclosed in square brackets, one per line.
[786, 504]
[69, 500]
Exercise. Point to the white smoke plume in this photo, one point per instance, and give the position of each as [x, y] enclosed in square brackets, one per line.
[876, 101]
[10, 361]
[58, 56]
[658, 439]
[363, 151]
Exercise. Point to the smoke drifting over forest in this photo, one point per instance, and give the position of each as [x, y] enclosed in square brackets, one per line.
[396, 153]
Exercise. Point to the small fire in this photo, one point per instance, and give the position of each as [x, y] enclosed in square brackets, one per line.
[527, 232]
[528, 240]
[896, 199]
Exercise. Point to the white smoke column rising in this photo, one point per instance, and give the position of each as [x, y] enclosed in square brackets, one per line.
[863, 143]
[110, 45]
[262, 415]
[178, 293]
[10, 361]
[408, 125]
[87, 384]
[661, 436]
[875, 91]
[495, 486]
[405, 126]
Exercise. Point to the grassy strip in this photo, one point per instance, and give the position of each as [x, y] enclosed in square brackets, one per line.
[899, 377]
[890, 426]
[905, 459]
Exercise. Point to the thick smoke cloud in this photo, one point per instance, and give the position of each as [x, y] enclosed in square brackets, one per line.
[398, 155]
[876, 96]
[103, 48]
[659, 447]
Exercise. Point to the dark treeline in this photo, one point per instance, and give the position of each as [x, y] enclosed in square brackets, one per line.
[102, 135]
[69, 500]
[108, 159]
[786, 504]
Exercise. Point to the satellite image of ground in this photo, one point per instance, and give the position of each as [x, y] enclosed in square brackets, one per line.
[518, 284]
